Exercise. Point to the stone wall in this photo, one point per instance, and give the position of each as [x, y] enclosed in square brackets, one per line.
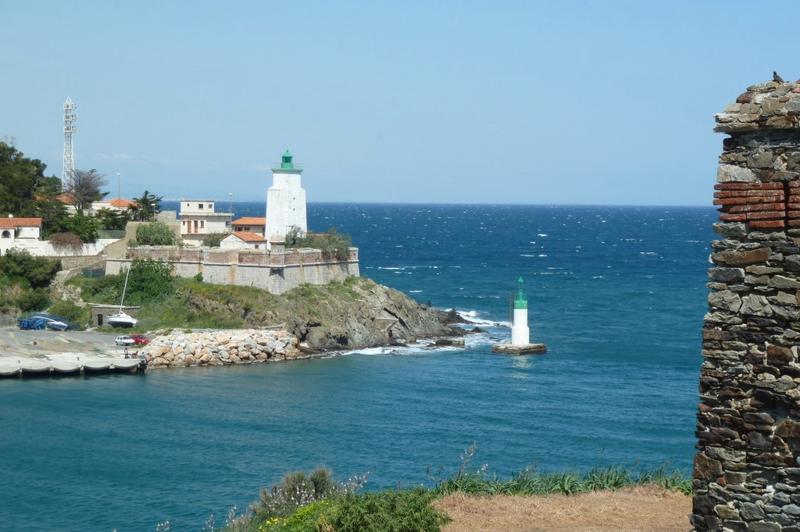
[221, 348]
[746, 472]
[275, 271]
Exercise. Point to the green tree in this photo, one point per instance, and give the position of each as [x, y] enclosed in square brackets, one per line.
[83, 225]
[21, 180]
[112, 219]
[146, 207]
[155, 234]
[149, 280]
[36, 272]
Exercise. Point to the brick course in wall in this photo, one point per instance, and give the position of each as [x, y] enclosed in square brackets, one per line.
[747, 466]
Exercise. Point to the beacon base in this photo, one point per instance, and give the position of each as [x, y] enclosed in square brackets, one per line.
[524, 349]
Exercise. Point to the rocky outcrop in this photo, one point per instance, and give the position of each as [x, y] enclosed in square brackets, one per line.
[221, 348]
[747, 468]
[354, 314]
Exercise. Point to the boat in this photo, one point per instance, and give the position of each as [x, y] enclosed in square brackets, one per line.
[121, 319]
[57, 325]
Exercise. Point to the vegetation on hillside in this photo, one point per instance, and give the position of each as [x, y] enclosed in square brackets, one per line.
[24, 280]
[174, 302]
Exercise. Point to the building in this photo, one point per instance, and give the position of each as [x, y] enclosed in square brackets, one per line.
[13, 229]
[286, 201]
[252, 224]
[199, 218]
[244, 240]
[116, 204]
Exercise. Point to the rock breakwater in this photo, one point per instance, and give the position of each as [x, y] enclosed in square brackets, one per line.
[222, 348]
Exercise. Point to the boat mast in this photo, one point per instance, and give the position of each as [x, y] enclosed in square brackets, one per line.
[124, 288]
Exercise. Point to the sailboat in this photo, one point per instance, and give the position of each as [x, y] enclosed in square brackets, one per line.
[121, 319]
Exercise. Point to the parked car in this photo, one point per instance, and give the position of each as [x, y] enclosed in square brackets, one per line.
[124, 340]
[140, 339]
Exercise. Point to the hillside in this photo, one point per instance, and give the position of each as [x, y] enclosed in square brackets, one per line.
[353, 314]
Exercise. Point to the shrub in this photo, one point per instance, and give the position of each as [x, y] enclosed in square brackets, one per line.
[388, 511]
[333, 245]
[149, 280]
[80, 224]
[36, 299]
[65, 240]
[212, 240]
[155, 234]
[37, 272]
[296, 490]
[77, 316]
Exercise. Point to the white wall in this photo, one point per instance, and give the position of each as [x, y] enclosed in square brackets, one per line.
[196, 206]
[43, 248]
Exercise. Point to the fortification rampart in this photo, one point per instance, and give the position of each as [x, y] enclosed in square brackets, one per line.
[746, 472]
[275, 271]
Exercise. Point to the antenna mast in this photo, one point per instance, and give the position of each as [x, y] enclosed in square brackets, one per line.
[68, 162]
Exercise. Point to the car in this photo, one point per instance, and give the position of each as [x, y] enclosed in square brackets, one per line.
[140, 339]
[124, 340]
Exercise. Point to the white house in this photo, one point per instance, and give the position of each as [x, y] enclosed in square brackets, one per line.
[199, 218]
[286, 201]
[244, 240]
[13, 229]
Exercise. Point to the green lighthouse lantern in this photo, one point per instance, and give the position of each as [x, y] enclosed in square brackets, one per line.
[520, 300]
[286, 161]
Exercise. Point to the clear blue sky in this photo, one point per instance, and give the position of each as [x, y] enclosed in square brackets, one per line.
[480, 102]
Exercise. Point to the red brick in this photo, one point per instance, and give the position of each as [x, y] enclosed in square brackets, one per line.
[793, 214]
[794, 184]
[733, 217]
[748, 193]
[767, 215]
[768, 224]
[749, 186]
[746, 201]
[757, 207]
[794, 223]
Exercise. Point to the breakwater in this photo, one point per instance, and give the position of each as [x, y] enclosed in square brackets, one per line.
[221, 348]
[746, 471]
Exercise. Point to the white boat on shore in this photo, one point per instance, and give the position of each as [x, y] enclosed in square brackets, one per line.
[121, 319]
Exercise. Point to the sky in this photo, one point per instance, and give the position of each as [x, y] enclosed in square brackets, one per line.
[525, 102]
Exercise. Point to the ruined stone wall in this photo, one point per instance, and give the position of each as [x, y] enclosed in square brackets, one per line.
[746, 472]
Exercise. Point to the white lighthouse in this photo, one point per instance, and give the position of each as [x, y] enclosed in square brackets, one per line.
[520, 334]
[286, 201]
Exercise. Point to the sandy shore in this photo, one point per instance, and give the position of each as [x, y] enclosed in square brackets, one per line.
[635, 509]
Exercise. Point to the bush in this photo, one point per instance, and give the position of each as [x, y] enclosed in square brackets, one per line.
[77, 316]
[36, 299]
[80, 224]
[333, 245]
[36, 272]
[65, 240]
[149, 280]
[155, 234]
[388, 511]
[212, 240]
[295, 490]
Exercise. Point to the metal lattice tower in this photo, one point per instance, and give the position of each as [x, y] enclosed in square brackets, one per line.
[68, 163]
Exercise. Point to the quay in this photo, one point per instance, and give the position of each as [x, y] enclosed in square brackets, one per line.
[524, 349]
[51, 354]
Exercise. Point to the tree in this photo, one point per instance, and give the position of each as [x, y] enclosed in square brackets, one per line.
[113, 219]
[146, 207]
[155, 234]
[37, 272]
[85, 188]
[83, 225]
[20, 180]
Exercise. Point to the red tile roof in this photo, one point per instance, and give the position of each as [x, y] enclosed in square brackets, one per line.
[10, 223]
[122, 203]
[247, 236]
[251, 220]
[66, 198]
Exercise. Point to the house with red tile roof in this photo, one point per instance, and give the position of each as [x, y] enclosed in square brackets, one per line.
[244, 240]
[251, 224]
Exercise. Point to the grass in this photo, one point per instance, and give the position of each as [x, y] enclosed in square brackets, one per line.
[319, 503]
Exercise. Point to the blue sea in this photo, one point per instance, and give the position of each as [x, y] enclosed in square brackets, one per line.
[617, 294]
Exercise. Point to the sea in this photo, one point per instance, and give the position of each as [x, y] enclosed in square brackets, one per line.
[616, 293]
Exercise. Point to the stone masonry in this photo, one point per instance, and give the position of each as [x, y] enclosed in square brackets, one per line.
[747, 467]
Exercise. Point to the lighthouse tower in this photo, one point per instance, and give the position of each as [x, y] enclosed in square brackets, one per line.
[286, 201]
[520, 334]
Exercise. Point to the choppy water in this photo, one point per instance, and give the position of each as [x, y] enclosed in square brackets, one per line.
[617, 293]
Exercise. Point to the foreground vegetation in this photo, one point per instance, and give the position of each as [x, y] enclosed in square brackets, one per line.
[24, 281]
[316, 502]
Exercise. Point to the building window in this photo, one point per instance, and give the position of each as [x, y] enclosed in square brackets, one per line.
[195, 226]
[6, 234]
[202, 224]
[210, 205]
[199, 205]
[257, 246]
